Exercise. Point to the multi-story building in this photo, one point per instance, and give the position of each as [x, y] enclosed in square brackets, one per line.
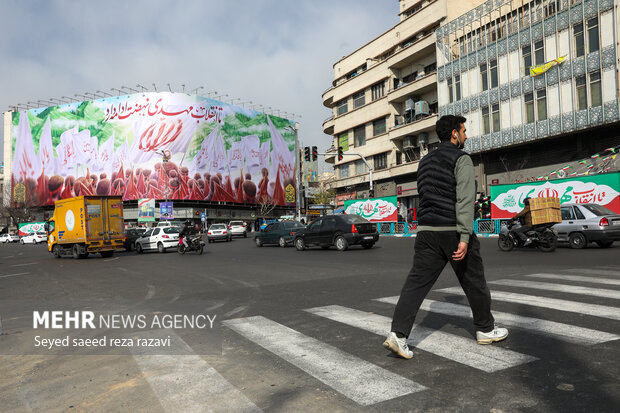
[384, 102]
[522, 126]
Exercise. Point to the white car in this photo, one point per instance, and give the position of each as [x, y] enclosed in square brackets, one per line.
[34, 238]
[160, 238]
[9, 238]
[238, 228]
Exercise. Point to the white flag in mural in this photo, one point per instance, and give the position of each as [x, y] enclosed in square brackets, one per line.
[219, 161]
[46, 150]
[106, 155]
[251, 144]
[236, 155]
[121, 156]
[202, 160]
[264, 154]
[67, 153]
[281, 156]
[25, 163]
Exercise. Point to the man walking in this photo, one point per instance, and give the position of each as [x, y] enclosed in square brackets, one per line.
[447, 190]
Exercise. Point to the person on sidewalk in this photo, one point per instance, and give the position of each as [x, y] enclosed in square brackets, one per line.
[447, 189]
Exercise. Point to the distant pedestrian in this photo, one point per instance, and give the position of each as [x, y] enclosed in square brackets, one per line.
[446, 185]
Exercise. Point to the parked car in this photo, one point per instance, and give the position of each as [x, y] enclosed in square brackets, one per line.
[159, 238]
[238, 228]
[339, 230]
[585, 223]
[34, 238]
[9, 238]
[219, 232]
[169, 224]
[280, 233]
[131, 235]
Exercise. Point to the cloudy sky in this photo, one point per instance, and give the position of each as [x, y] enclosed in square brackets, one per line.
[278, 53]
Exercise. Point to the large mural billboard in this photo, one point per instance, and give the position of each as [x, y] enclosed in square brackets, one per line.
[152, 145]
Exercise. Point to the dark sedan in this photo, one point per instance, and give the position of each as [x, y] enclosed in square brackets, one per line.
[280, 233]
[131, 235]
[339, 230]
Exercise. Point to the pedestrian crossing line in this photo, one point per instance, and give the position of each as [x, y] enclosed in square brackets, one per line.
[560, 331]
[563, 288]
[578, 278]
[186, 383]
[595, 310]
[460, 349]
[357, 379]
[592, 271]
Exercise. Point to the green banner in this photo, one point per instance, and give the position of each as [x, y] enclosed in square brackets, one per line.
[343, 141]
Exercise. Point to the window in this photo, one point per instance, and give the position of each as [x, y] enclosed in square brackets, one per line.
[430, 68]
[344, 171]
[539, 52]
[484, 76]
[378, 90]
[360, 168]
[343, 106]
[567, 213]
[359, 99]
[450, 90]
[399, 158]
[493, 69]
[527, 58]
[595, 88]
[582, 94]
[485, 120]
[593, 43]
[359, 136]
[155, 232]
[495, 116]
[529, 108]
[378, 127]
[380, 161]
[457, 86]
[541, 104]
[578, 213]
[579, 40]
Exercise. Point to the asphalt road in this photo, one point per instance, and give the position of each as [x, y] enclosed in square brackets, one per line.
[302, 331]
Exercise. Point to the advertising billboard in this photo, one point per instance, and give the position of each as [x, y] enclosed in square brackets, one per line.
[146, 210]
[30, 228]
[149, 145]
[374, 210]
[603, 189]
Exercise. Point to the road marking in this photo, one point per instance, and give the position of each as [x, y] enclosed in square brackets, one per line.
[23, 265]
[592, 271]
[14, 275]
[563, 288]
[111, 259]
[460, 349]
[561, 331]
[595, 310]
[9, 256]
[578, 278]
[150, 293]
[187, 383]
[357, 379]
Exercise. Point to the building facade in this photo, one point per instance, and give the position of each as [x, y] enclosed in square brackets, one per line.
[520, 126]
[385, 104]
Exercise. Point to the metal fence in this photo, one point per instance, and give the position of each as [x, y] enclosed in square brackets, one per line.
[481, 226]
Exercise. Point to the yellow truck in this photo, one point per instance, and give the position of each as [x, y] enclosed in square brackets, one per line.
[86, 225]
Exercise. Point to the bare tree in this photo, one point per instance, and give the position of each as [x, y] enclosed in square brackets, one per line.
[266, 206]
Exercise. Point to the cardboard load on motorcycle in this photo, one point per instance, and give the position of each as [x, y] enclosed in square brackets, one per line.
[545, 211]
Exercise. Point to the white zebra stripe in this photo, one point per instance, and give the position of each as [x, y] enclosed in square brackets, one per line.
[460, 349]
[563, 288]
[561, 331]
[595, 310]
[578, 278]
[592, 271]
[186, 383]
[359, 380]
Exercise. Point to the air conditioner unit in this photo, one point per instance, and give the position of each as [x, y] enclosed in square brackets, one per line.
[421, 108]
[423, 138]
[409, 104]
[408, 142]
[399, 119]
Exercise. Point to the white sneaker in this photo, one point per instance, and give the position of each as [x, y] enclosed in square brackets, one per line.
[497, 334]
[398, 345]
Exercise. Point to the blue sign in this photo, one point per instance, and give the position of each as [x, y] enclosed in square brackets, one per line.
[165, 209]
[203, 217]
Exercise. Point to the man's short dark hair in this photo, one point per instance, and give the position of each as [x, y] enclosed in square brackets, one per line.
[446, 124]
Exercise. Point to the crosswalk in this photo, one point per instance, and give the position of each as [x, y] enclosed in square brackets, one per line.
[365, 383]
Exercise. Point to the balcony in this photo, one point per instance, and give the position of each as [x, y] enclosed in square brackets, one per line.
[328, 97]
[328, 125]
[426, 124]
[412, 53]
[330, 155]
[420, 86]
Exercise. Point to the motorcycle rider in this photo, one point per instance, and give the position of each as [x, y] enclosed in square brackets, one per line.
[186, 232]
[525, 218]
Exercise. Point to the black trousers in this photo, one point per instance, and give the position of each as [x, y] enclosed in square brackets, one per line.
[432, 251]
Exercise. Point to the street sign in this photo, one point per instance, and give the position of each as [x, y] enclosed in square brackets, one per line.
[203, 217]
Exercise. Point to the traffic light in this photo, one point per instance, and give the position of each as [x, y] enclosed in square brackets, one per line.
[315, 153]
[371, 193]
[340, 153]
[307, 154]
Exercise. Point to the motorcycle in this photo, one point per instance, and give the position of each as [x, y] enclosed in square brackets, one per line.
[542, 237]
[194, 243]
